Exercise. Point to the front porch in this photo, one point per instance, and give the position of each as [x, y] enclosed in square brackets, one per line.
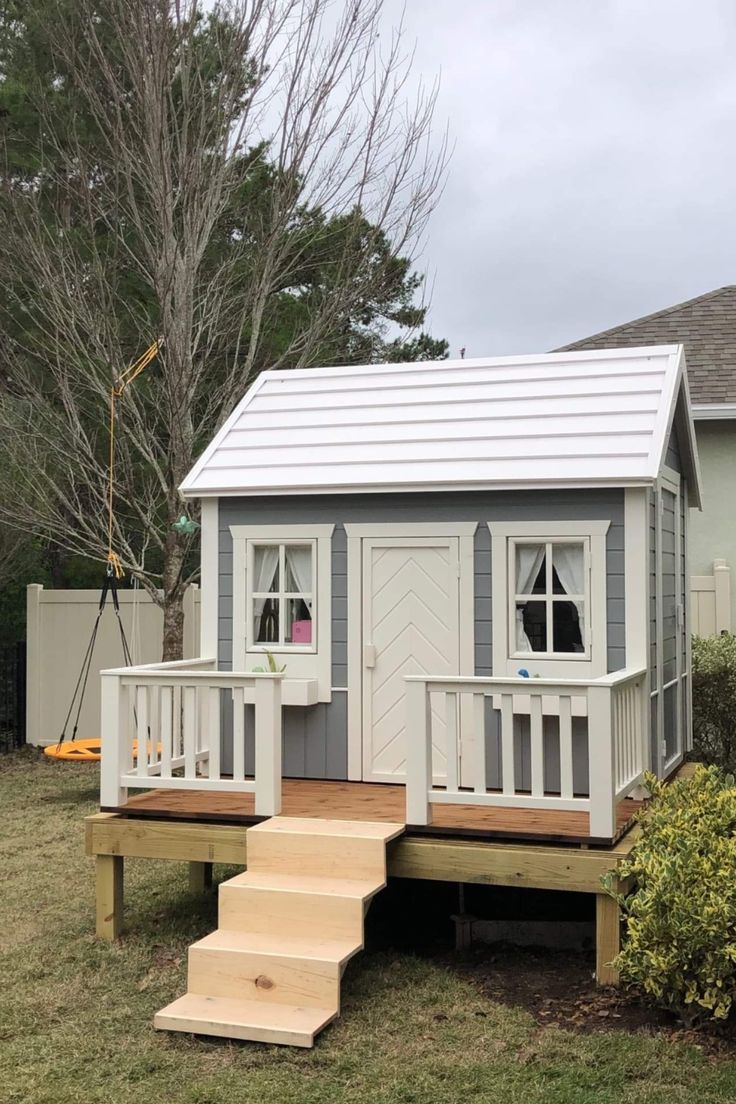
[515, 758]
[380, 802]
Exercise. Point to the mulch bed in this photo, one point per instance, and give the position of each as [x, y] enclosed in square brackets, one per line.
[558, 987]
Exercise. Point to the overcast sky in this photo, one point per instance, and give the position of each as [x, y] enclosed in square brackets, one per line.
[594, 176]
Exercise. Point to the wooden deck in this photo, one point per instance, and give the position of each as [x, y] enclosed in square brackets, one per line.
[377, 802]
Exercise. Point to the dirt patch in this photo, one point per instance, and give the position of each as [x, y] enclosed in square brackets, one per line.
[558, 987]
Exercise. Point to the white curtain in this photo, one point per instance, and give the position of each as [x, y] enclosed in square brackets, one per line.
[569, 563]
[529, 559]
[299, 563]
[265, 568]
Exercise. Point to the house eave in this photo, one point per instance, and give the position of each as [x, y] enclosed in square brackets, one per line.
[705, 412]
[415, 488]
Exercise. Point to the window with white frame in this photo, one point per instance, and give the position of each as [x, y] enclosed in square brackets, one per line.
[281, 599]
[550, 597]
[548, 584]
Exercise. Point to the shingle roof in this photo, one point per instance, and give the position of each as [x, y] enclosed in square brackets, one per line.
[706, 326]
[560, 419]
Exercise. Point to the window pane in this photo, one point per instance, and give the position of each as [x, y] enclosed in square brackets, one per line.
[298, 627]
[298, 569]
[568, 628]
[530, 568]
[568, 563]
[531, 627]
[265, 568]
[266, 620]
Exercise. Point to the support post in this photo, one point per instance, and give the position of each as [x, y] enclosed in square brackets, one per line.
[34, 666]
[607, 938]
[116, 745]
[268, 745]
[418, 753]
[200, 877]
[600, 756]
[722, 586]
[109, 896]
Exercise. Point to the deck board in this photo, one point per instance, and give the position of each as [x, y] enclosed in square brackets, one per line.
[376, 802]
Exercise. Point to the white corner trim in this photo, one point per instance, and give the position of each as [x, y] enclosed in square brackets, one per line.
[209, 578]
[300, 663]
[412, 529]
[636, 576]
[354, 656]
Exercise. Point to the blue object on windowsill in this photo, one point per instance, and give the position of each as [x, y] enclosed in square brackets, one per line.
[523, 672]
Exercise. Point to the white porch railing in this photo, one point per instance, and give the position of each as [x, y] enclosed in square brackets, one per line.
[173, 711]
[616, 737]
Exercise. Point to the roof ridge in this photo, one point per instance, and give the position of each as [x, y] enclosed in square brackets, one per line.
[645, 318]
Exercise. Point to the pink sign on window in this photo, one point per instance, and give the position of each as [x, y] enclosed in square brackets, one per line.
[301, 632]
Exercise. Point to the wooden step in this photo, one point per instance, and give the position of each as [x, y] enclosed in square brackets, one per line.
[271, 971]
[244, 1019]
[323, 908]
[307, 982]
[328, 848]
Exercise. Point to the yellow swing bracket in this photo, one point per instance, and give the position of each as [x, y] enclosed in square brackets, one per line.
[114, 565]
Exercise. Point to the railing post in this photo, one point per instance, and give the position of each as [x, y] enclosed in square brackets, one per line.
[268, 745]
[418, 753]
[115, 740]
[600, 757]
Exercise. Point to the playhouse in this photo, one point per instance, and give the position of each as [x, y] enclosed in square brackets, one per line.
[444, 601]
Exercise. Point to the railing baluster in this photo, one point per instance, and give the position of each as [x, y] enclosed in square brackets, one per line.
[238, 734]
[451, 724]
[141, 708]
[479, 735]
[189, 725]
[165, 729]
[213, 705]
[177, 743]
[537, 744]
[508, 769]
[565, 720]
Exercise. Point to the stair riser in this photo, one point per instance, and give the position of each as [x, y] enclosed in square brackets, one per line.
[276, 912]
[332, 857]
[242, 975]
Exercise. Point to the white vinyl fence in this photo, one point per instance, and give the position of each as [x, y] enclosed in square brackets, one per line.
[59, 624]
[710, 601]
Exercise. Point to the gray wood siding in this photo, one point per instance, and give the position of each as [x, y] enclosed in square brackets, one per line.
[315, 739]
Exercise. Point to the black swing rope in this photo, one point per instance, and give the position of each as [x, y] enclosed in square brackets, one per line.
[109, 586]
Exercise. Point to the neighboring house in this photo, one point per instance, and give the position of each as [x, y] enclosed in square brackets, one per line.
[404, 544]
[706, 326]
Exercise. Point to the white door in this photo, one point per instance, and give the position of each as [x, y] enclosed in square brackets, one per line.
[411, 594]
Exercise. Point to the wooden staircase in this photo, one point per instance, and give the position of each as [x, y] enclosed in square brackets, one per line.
[271, 971]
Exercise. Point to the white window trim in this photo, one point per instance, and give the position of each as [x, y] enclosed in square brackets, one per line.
[593, 663]
[302, 661]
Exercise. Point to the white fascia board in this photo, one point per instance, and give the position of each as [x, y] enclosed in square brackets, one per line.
[415, 488]
[186, 487]
[704, 412]
[666, 416]
[695, 484]
[624, 353]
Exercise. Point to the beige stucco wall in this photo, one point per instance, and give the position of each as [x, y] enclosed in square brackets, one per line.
[713, 530]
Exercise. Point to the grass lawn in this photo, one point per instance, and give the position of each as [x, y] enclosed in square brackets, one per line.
[75, 1013]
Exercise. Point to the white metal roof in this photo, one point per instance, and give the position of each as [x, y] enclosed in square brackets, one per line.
[598, 417]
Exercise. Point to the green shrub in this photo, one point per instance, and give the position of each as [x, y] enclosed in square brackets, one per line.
[714, 700]
[680, 918]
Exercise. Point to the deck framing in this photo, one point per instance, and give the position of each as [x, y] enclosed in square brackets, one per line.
[111, 838]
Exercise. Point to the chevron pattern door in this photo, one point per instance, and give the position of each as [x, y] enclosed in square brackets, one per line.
[410, 627]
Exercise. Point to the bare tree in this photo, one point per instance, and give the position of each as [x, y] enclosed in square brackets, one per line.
[234, 151]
